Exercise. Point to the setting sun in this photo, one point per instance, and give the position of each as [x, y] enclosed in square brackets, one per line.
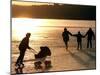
[20, 26]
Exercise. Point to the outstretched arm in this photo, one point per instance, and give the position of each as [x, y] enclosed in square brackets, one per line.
[34, 51]
[29, 47]
[86, 34]
[74, 34]
[83, 36]
[28, 44]
[69, 33]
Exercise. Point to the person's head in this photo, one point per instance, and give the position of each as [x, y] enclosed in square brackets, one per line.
[65, 29]
[78, 32]
[28, 35]
[90, 28]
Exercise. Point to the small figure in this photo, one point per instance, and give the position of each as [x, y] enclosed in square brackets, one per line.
[79, 37]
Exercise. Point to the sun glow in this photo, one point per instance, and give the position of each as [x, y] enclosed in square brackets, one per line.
[20, 26]
[22, 3]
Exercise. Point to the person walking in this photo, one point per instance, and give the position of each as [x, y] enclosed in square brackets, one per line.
[90, 35]
[65, 36]
[22, 48]
[79, 37]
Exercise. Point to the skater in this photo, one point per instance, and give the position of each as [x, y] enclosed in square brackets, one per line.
[90, 35]
[22, 48]
[65, 36]
[79, 37]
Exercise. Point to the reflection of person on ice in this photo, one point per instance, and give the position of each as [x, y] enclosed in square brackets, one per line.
[22, 48]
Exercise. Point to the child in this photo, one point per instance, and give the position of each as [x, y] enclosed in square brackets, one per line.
[79, 40]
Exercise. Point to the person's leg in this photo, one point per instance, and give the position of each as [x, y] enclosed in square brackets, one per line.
[78, 45]
[66, 44]
[22, 56]
[87, 43]
[18, 60]
[90, 43]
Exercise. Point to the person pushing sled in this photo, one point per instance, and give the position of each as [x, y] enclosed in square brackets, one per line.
[39, 58]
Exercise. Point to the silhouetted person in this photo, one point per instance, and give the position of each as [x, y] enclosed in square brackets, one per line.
[79, 40]
[90, 35]
[65, 36]
[22, 48]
